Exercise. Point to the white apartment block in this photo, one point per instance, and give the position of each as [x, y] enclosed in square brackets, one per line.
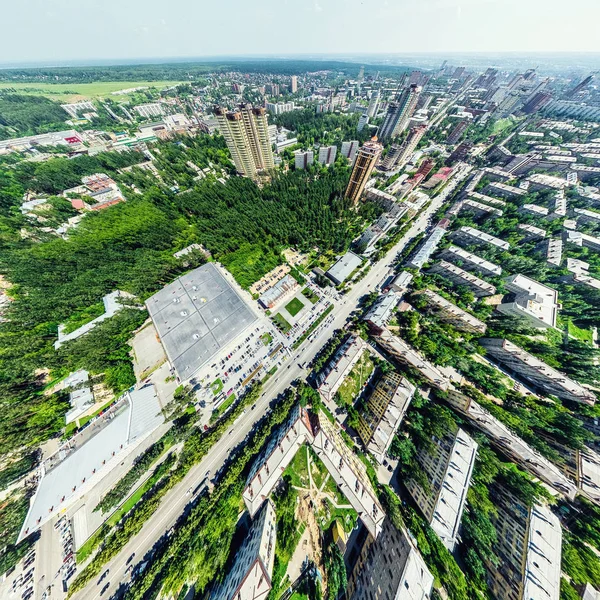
[303, 158]
[250, 575]
[536, 371]
[487, 199]
[554, 250]
[448, 468]
[470, 235]
[471, 261]
[390, 567]
[585, 215]
[529, 547]
[458, 276]
[532, 301]
[76, 109]
[349, 473]
[532, 232]
[327, 155]
[349, 149]
[535, 209]
[481, 209]
[450, 313]
[505, 191]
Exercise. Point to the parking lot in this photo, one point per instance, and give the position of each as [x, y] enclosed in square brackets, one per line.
[262, 349]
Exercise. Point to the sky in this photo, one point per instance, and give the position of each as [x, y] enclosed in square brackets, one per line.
[79, 30]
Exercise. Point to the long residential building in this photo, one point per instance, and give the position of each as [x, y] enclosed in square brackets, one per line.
[450, 313]
[529, 541]
[383, 413]
[427, 248]
[389, 567]
[470, 235]
[246, 132]
[471, 261]
[448, 466]
[481, 209]
[340, 366]
[531, 301]
[458, 276]
[537, 372]
[250, 575]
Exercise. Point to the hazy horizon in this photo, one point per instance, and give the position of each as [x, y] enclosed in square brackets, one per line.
[62, 31]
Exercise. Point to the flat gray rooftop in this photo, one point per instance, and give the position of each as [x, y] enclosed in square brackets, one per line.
[62, 484]
[197, 315]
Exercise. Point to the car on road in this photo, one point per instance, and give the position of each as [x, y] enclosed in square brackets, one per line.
[104, 588]
[130, 558]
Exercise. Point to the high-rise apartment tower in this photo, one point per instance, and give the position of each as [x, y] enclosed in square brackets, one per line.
[366, 159]
[399, 112]
[246, 133]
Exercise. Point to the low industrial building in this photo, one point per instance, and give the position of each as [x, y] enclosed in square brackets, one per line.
[113, 303]
[458, 276]
[284, 288]
[389, 567]
[530, 300]
[471, 261]
[536, 371]
[529, 541]
[344, 267]
[250, 575]
[450, 313]
[383, 412]
[83, 461]
[448, 466]
[340, 366]
[470, 235]
[196, 316]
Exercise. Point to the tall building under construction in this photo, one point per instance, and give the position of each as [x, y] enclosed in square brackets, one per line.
[246, 133]
[366, 159]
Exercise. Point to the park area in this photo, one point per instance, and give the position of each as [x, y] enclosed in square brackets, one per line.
[294, 306]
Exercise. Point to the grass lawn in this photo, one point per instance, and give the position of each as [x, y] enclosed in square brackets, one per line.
[226, 404]
[298, 469]
[79, 91]
[216, 386]
[346, 516]
[266, 338]
[310, 295]
[583, 335]
[294, 306]
[358, 376]
[281, 322]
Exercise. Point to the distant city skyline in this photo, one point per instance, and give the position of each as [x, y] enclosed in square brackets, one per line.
[46, 31]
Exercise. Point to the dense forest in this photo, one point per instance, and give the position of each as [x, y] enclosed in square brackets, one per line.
[130, 247]
[182, 70]
[22, 114]
[328, 128]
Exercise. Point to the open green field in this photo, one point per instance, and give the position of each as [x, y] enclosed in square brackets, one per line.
[310, 295]
[79, 91]
[294, 306]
